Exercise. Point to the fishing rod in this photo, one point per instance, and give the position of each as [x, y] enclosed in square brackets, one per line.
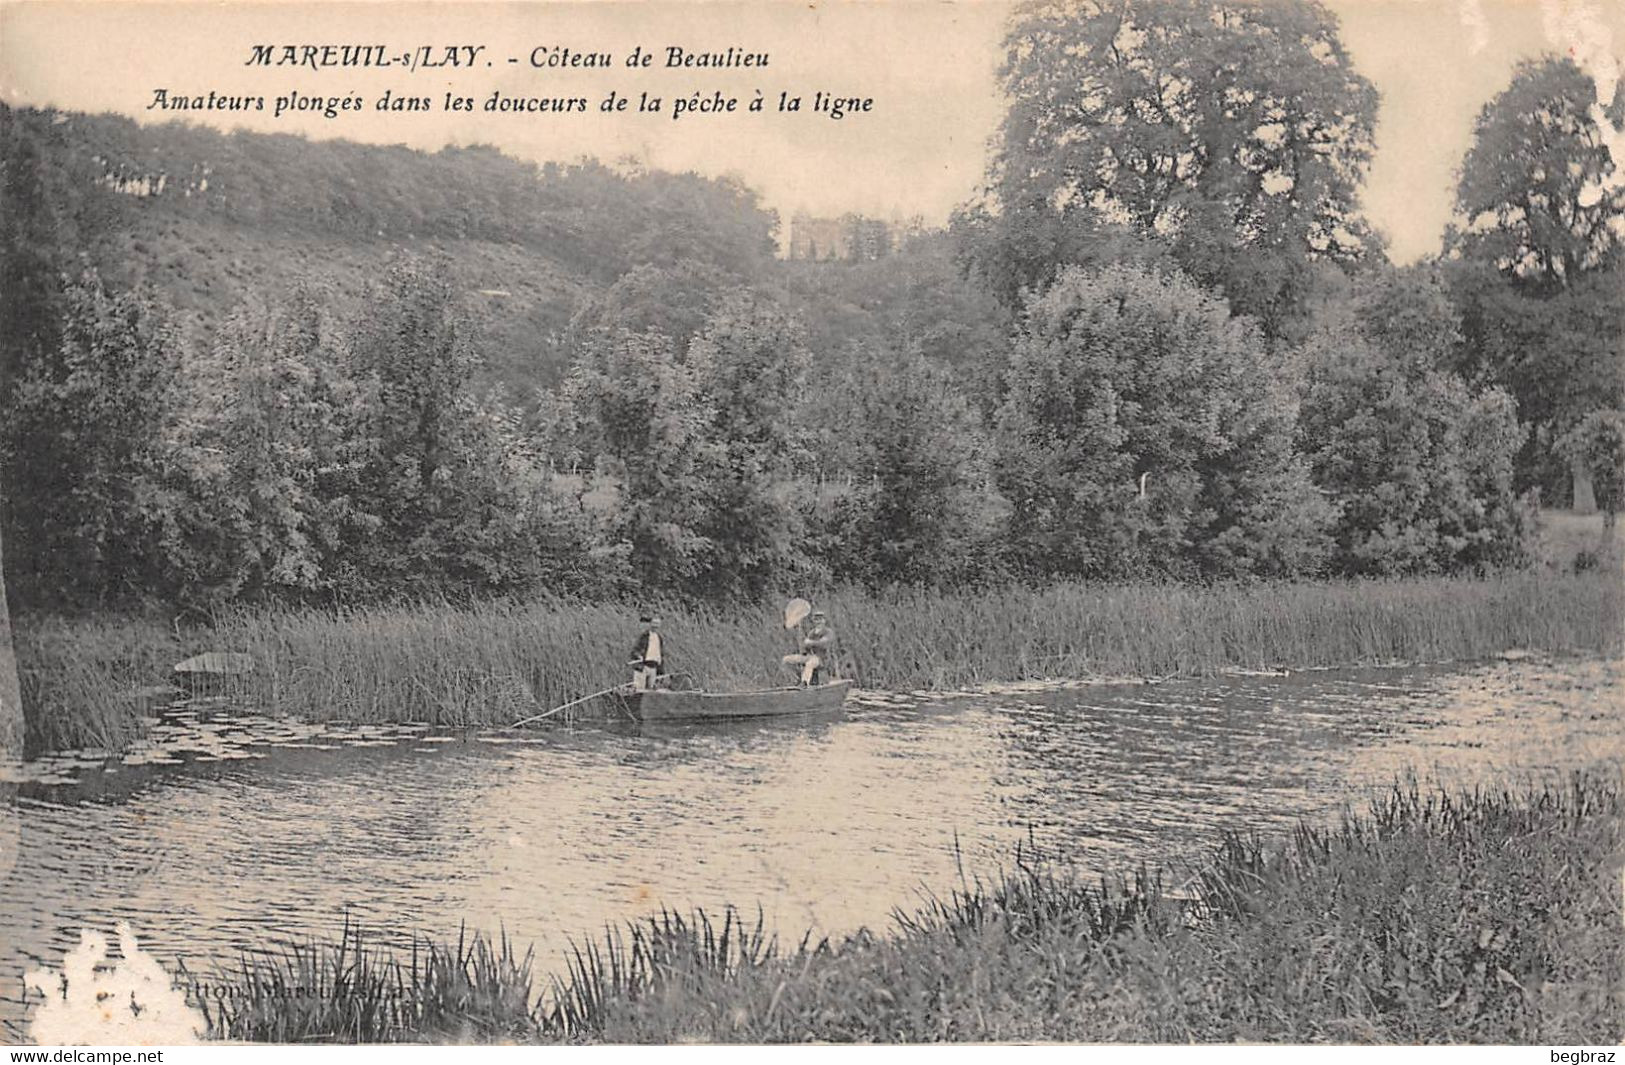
[566, 706]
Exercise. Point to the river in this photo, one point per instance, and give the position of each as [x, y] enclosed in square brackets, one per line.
[229, 828]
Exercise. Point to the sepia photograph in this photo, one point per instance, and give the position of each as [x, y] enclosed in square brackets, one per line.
[570, 522]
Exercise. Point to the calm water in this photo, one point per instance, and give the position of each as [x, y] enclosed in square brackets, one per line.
[230, 828]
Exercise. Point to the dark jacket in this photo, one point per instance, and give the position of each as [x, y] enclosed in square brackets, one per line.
[640, 650]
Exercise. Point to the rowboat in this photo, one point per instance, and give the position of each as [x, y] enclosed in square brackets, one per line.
[216, 664]
[214, 671]
[663, 704]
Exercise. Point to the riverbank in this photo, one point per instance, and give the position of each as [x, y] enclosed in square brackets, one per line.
[490, 664]
[1483, 917]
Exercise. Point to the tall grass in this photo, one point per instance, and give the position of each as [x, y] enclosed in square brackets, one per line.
[1489, 916]
[496, 662]
[353, 991]
[651, 959]
[82, 679]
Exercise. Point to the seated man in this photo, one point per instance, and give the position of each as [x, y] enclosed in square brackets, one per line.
[817, 657]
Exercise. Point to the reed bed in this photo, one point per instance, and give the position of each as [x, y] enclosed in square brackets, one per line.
[1489, 916]
[90, 682]
[356, 991]
[494, 663]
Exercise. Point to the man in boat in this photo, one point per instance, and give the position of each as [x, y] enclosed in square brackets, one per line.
[648, 656]
[817, 657]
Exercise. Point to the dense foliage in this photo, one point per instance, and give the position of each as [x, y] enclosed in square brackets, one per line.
[1537, 266]
[1538, 194]
[248, 368]
[1418, 464]
[1236, 134]
[93, 452]
[210, 220]
[1142, 434]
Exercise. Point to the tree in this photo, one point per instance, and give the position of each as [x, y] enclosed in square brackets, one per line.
[435, 475]
[697, 447]
[1540, 195]
[33, 233]
[916, 299]
[1536, 259]
[920, 507]
[90, 449]
[1011, 249]
[280, 424]
[1141, 434]
[671, 301]
[685, 216]
[643, 426]
[31, 236]
[1559, 355]
[749, 367]
[1237, 134]
[1419, 465]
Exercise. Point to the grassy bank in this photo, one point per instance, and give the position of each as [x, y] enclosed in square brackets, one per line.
[494, 663]
[1469, 918]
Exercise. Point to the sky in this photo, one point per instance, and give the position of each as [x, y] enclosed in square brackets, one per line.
[928, 66]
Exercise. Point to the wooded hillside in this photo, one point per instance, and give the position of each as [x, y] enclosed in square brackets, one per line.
[211, 220]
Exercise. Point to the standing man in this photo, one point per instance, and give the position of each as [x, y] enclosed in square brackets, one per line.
[648, 656]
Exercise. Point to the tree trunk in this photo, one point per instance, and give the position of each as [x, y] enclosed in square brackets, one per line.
[1585, 498]
[11, 700]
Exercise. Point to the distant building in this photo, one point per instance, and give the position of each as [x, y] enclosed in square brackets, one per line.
[851, 237]
[818, 238]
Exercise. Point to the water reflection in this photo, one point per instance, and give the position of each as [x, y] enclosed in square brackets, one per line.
[230, 827]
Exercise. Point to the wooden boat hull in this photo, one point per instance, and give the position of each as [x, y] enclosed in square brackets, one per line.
[660, 704]
[217, 663]
[214, 671]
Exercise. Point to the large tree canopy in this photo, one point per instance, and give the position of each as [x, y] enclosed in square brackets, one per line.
[1537, 256]
[1145, 431]
[1237, 132]
[1540, 194]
